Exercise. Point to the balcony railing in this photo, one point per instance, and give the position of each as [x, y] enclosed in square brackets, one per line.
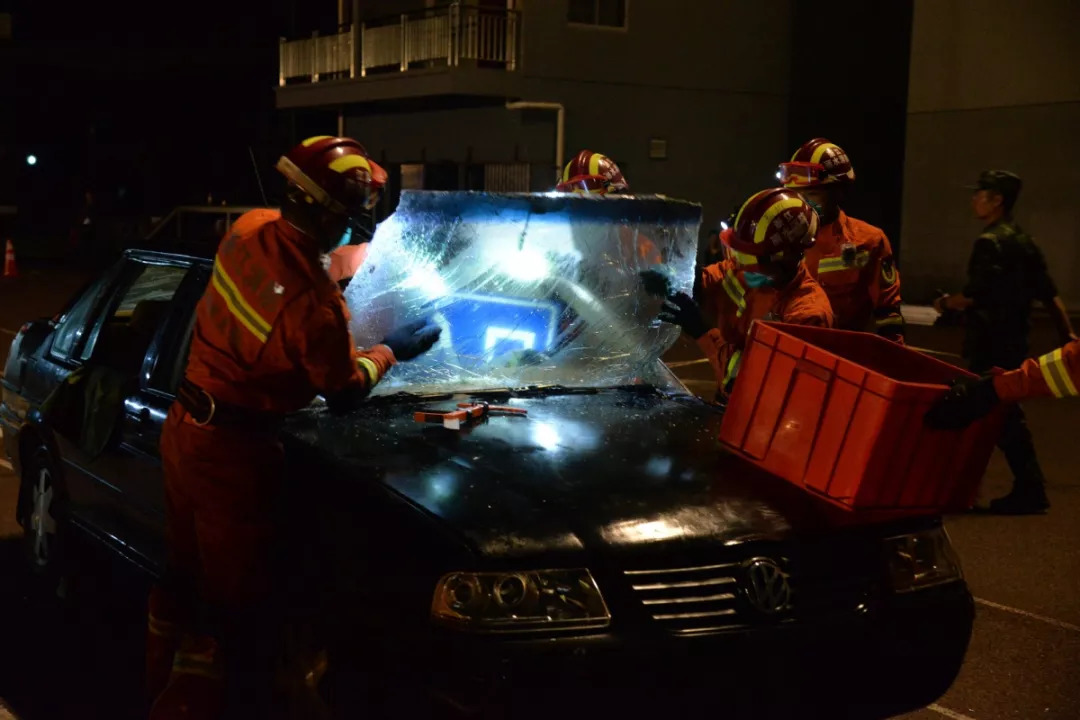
[446, 36]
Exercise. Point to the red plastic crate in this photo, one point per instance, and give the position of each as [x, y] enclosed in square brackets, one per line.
[840, 414]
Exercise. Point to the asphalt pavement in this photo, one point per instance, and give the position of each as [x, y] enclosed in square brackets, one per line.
[82, 659]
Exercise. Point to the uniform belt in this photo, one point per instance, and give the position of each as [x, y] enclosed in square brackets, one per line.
[205, 409]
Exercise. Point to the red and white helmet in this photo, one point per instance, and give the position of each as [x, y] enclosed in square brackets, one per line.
[772, 225]
[335, 173]
[593, 173]
[817, 162]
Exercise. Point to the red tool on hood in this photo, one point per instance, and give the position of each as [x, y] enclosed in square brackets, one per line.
[465, 414]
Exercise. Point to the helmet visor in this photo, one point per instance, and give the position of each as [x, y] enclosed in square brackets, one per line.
[801, 174]
[591, 184]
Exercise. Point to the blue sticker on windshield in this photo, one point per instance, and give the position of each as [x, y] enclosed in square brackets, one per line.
[488, 326]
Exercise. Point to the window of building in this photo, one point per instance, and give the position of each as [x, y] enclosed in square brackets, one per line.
[600, 13]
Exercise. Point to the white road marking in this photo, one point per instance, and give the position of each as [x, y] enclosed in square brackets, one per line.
[1034, 616]
[684, 363]
[935, 353]
[948, 713]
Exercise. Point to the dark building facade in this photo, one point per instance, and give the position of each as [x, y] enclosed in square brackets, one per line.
[685, 105]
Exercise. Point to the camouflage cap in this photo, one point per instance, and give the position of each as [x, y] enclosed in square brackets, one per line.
[1001, 181]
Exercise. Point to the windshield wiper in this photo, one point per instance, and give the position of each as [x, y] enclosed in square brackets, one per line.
[404, 395]
[532, 391]
[527, 391]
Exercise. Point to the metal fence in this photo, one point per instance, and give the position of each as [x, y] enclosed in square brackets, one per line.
[507, 177]
[316, 56]
[447, 35]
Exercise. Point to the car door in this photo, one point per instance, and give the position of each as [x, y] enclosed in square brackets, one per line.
[59, 358]
[137, 462]
[120, 347]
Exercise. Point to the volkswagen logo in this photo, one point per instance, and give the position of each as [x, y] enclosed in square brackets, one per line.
[766, 586]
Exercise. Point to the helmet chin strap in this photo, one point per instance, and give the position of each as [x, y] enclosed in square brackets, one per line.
[308, 218]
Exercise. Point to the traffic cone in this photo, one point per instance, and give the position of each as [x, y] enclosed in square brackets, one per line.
[10, 270]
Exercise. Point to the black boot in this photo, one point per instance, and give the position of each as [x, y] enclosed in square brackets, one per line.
[1028, 496]
[1023, 500]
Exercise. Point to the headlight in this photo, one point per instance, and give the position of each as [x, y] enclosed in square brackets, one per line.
[541, 599]
[921, 560]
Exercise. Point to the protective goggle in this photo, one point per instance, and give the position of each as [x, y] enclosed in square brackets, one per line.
[592, 184]
[801, 174]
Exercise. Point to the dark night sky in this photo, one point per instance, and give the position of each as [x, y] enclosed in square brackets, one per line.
[161, 99]
[164, 100]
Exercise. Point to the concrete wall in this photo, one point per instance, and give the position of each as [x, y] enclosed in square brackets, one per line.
[721, 107]
[993, 84]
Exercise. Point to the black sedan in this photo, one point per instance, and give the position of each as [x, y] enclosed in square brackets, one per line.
[601, 549]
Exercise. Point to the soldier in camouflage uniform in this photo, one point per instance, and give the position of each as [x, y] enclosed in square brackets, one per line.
[1005, 274]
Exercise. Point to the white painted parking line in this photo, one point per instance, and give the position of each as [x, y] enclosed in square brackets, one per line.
[948, 713]
[684, 363]
[1034, 616]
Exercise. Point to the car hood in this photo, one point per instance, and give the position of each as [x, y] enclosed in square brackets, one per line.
[609, 471]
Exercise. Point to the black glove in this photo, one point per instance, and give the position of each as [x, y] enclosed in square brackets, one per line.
[412, 339]
[680, 309]
[964, 403]
[655, 282]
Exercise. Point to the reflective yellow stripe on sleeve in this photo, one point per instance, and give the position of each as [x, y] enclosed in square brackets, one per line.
[370, 368]
[1056, 375]
[732, 367]
[735, 291]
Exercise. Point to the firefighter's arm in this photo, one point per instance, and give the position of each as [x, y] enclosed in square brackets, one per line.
[1055, 374]
[717, 351]
[335, 368]
[709, 288]
[885, 293]
[711, 296]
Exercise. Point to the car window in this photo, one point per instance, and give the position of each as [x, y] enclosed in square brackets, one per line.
[122, 335]
[173, 360]
[74, 324]
[175, 344]
[529, 289]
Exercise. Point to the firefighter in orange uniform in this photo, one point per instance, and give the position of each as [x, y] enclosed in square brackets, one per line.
[1055, 374]
[345, 262]
[852, 259]
[271, 333]
[590, 173]
[764, 278]
[594, 174]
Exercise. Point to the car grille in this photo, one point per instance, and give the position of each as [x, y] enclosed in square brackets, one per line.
[690, 600]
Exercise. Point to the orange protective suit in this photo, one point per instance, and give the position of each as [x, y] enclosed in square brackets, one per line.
[731, 306]
[1055, 374]
[346, 260]
[853, 262]
[271, 332]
